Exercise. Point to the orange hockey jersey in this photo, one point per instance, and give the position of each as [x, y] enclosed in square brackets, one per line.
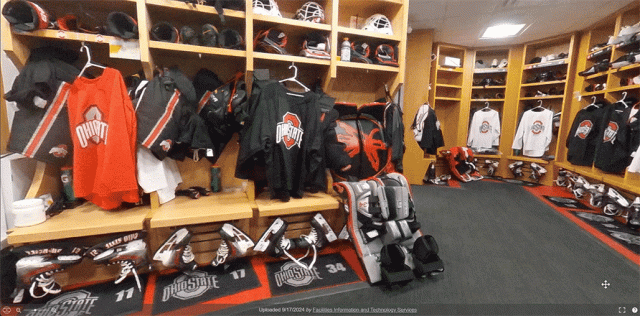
[103, 128]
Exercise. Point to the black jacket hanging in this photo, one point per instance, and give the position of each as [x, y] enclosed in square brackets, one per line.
[432, 138]
[584, 135]
[613, 152]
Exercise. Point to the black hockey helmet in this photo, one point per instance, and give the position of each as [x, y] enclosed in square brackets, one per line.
[271, 41]
[26, 15]
[360, 52]
[165, 32]
[230, 38]
[188, 36]
[122, 25]
[209, 35]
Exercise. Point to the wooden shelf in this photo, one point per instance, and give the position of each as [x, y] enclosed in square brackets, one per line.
[489, 70]
[596, 75]
[529, 159]
[448, 69]
[625, 68]
[291, 59]
[350, 31]
[180, 5]
[292, 22]
[84, 220]
[218, 207]
[194, 49]
[587, 94]
[487, 100]
[488, 87]
[552, 63]
[547, 97]
[485, 156]
[544, 83]
[624, 88]
[448, 99]
[311, 202]
[354, 65]
[449, 86]
[68, 35]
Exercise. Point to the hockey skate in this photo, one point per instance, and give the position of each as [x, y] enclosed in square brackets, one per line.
[516, 168]
[129, 256]
[634, 214]
[394, 264]
[37, 265]
[579, 187]
[430, 176]
[537, 171]
[563, 178]
[235, 243]
[268, 242]
[492, 166]
[597, 194]
[36, 274]
[616, 203]
[176, 251]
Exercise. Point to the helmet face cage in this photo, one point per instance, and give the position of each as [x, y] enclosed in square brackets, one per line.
[310, 12]
[266, 7]
[378, 23]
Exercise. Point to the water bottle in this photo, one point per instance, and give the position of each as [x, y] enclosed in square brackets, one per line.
[345, 51]
[216, 185]
[66, 176]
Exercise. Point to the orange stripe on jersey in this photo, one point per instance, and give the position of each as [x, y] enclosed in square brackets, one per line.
[47, 121]
[204, 100]
[155, 132]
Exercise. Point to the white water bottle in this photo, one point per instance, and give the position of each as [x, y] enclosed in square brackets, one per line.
[345, 51]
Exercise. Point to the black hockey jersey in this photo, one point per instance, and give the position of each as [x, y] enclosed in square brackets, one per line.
[612, 151]
[40, 128]
[583, 136]
[432, 138]
[281, 142]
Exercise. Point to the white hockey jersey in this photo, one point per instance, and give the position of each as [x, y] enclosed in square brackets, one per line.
[534, 132]
[484, 131]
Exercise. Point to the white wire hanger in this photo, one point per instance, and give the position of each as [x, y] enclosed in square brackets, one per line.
[539, 107]
[593, 103]
[624, 96]
[486, 107]
[89, 63]
[294, 78]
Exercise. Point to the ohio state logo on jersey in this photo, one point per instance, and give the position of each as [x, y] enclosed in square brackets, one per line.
[610, 133]
[93, 129]
[584, 129]
[537, 127]
[289, 131]
[166, 144]
[59, 151]
[485, 127]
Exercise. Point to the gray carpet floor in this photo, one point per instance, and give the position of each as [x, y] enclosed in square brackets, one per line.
[505, 253]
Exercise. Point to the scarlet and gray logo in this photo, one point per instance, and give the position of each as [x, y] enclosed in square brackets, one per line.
[71, 304]
[485, 127]
[537, 127]
[93, 129]
[190, 285]
[294, 275]
[59, 151]
[584, 129]
[289, 131]
[166, 144]
[610, 133]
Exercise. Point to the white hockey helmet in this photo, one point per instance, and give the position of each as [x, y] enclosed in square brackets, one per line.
[266, 7]
[378, 23]
[310, 12]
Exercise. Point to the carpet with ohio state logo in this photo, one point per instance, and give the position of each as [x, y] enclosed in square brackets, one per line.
[183, 289]
[288, 277]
